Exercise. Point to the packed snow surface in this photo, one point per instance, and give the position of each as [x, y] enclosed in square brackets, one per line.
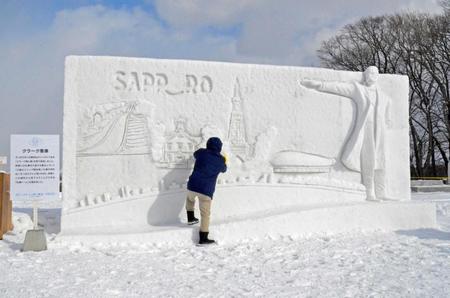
[381, 264]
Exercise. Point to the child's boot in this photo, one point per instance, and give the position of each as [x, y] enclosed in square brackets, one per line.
[204, 238]
[191, 218]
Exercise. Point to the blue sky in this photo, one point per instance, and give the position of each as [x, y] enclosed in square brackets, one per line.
[35, 36]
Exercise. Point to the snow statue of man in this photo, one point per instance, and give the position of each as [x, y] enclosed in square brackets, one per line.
[364, 151]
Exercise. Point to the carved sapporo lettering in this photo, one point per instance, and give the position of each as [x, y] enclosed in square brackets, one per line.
[161, 83]
[191, 83]
[206, 84]
[120, 79]
[149, 81]
[133, 83]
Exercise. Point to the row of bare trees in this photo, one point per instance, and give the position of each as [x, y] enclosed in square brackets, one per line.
[416, 45]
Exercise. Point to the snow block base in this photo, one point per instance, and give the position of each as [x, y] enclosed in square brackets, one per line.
[300, 222]
[35, 241]
[167, 209]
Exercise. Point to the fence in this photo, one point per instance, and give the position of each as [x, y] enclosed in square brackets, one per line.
[5, 205]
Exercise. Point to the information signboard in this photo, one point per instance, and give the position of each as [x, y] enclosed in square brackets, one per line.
[34, 167]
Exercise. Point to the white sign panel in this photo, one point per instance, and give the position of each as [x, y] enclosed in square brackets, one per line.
[3, 160]
[34, 167]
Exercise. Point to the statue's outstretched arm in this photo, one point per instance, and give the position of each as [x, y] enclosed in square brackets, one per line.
[337, 88]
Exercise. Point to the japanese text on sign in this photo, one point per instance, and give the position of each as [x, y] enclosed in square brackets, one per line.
[34, 166]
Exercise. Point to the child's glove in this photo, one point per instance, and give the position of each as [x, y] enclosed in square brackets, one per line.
[225, 158]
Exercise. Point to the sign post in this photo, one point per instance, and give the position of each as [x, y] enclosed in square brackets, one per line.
[35, 178]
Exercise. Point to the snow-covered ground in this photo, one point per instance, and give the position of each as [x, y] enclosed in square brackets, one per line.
[397, 264]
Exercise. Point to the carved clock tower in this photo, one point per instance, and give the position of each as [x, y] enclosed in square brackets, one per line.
[236, 132]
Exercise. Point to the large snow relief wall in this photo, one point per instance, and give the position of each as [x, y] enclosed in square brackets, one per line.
[294, 137]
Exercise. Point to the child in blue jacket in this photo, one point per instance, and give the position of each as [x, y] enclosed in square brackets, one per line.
[209, 163]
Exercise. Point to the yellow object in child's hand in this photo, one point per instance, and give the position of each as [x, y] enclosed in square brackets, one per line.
[225, 157]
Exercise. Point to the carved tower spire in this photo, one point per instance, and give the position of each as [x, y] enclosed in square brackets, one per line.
[236, 132]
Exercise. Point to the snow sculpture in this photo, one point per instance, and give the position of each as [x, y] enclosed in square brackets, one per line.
[237, 135]
[115, 128]
[131, 126]
[365, 150]
[178, 147]
[262, 151]
[298, 162]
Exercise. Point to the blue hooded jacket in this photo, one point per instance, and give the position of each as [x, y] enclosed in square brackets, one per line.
[208, 164]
